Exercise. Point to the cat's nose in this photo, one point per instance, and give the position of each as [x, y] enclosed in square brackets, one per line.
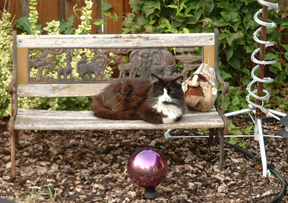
[167, 99]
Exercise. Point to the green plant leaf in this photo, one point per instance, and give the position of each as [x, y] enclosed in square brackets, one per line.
[207, 6]
[285, 46]
[230, 15]
[185, 30]
[179, 19]
[232, 140]
[152, 22]
[225, 75]
[106, 6]
[224, 4]
[249, 129]
[171, 30]
[23, 24]
[284, 24]
[164, 24]
[148, 10]
[67, 27]
[155, 4]
[234, 62]
[229, 53]
[271, 56]
[238, 4]
[114, 17]
[142, 21]
[245, 80]
[276, 68]
[235, 101]
[99, 22]
[135, 6]
[243, 144]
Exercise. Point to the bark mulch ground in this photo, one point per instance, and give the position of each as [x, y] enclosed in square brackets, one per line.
[90, 166]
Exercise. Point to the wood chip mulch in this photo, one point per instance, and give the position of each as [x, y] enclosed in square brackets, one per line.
[90, 166]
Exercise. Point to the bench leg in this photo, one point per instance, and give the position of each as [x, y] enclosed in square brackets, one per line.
[14, 140]
[217, 136]
[221, 161]
[13, 152]
[211, 138]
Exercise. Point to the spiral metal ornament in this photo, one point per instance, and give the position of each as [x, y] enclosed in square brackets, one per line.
[262, 94]
[268, 25]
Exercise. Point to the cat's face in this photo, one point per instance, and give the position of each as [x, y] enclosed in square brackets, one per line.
[167, 90]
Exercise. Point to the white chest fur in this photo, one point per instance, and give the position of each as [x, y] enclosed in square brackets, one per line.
[171, 111]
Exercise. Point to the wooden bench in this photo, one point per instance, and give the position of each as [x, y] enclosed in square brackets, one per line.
[38, 76]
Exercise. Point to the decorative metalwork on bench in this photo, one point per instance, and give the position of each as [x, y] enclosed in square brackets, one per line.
[89, 65]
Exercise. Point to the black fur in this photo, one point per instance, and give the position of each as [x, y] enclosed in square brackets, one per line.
[134, 99]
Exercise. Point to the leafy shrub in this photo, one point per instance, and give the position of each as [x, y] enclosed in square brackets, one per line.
[234, 19]
[29, 25]
[6, 63]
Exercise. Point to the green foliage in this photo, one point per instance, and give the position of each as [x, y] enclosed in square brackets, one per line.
[37, 194]
[24, 25]
[86, 16]
[114, 17]
[235, 140]
[53, 27]
[85, 28]
[105, 7]
[6, 63]
[56, 27]
[60, 27]
[33, 17]
[64, 27]
[233, 130]
[67, 27]
[234, 19]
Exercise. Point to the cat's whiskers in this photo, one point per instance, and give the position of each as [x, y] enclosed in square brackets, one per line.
[173, 101]
[169, 109]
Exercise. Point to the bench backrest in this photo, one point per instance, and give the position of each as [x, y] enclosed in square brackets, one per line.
[37, 75]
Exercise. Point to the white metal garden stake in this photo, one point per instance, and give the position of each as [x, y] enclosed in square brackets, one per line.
[260, 94]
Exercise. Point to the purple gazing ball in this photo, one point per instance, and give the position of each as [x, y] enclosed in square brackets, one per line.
[147, 167]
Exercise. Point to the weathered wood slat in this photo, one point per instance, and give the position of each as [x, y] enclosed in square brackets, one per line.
[31, 119]
[60, 90]
[116, 41]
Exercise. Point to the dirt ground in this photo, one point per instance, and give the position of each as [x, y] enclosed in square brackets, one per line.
[91, 166]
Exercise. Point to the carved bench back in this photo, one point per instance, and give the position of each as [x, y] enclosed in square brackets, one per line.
[86, 60]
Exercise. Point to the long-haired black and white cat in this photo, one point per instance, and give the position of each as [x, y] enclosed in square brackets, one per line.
[158, 101]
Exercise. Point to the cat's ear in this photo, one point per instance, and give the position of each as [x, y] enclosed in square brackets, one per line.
[155, 78]
[179, 79]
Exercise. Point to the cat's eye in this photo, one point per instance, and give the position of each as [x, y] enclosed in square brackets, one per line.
[171, 91]
[160, 91]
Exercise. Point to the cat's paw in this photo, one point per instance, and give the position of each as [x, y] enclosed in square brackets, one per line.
[168, 120]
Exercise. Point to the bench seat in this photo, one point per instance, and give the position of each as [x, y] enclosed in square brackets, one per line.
[32, 119]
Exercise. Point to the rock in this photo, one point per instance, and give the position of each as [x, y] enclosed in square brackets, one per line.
[222, 189]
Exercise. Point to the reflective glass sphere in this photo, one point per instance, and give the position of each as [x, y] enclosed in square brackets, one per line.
[147, 167]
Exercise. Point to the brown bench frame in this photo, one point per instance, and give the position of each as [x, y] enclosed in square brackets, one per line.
[32, 119]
